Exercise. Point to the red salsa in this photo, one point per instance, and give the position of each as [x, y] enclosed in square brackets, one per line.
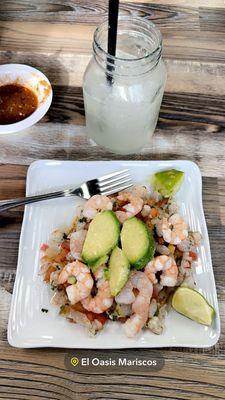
[17, 102]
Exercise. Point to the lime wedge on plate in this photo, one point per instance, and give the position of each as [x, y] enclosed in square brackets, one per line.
[167, 182]
[193, 305]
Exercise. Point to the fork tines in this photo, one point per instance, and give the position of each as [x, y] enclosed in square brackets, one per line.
[114, 182]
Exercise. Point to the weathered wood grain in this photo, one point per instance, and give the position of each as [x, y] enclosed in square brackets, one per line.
[39, 36]
[53, 380]
[56, 37]
[94, 13]
[67, 70]
[170, 14]
[187, 3]
[70, 142]
[212, 21]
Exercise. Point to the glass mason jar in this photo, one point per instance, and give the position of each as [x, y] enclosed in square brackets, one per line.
[123, 94]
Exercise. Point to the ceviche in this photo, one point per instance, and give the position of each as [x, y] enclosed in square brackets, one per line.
[122, 259]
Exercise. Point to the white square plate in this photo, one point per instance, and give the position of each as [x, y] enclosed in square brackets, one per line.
[29, 327]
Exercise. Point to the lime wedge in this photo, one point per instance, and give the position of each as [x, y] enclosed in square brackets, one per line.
[167, 182]
[193, 305]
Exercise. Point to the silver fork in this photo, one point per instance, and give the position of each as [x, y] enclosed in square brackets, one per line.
[105, 185]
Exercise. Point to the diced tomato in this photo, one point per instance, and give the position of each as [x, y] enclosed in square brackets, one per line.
[162, 202]
[122, 209]
[66, 245]
[61, 256]
[160, 240]
[154, 213]
[48, 273]
[90, 315]
[44, 247]
[193, 255]
[100, 317]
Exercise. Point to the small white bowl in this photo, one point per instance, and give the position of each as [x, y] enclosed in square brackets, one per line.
[36, 81]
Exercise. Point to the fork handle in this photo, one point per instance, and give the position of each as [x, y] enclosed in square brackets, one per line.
[7, 204]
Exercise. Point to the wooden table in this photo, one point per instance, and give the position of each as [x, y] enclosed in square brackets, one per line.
[56, 37]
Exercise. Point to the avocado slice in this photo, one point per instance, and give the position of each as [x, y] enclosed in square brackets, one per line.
[102, 237]
[119, 269]
[137, 242]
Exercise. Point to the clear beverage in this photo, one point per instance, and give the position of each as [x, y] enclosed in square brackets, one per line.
[123, 94]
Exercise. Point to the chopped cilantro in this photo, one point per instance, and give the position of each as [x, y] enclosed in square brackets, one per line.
[106, 274]
[112, 315]
[83, 219]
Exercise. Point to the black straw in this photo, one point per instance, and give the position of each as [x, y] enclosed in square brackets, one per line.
[112, 34]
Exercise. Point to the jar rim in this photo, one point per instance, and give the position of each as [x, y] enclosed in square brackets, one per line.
[145, 23]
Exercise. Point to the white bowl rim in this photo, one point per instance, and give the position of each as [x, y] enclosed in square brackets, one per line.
[38, 113]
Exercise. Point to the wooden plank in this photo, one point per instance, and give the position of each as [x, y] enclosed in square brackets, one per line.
[67, 70]
[78, 11]
[56, 38]
[89, 13]
[9, 182]
[40, 36]
[195, 77]
[196, 46]
[185, 3]
[64, 142]
[178, 380]
[212, 21]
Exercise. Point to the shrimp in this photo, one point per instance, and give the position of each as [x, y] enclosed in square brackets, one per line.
[162, 249]
[140, 191]
[82, 319]
[103, 300]
[132, 208]
[174, 229]
[156, 324]
[76, 243]
[84, 282]
[169, 269]
[190, 243]
[59, 298]
[95, 204]
[140, 306]
[54, 243]
[146, 210]
[126, 296]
